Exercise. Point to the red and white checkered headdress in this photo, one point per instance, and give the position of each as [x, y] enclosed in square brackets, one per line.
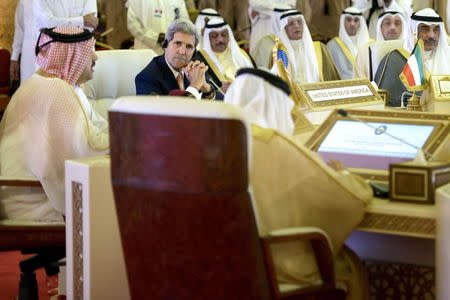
[64, 51]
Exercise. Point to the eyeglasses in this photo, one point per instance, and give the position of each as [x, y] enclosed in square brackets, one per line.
[295, 22]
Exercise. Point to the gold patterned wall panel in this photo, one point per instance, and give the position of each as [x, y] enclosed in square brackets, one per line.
[394, 281]
[7, 10]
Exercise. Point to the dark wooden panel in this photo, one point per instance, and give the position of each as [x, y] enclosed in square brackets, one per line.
[186, 220]
[207, 154]
[180, 246]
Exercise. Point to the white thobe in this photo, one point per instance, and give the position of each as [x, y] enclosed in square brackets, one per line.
[147, 19]
[25, 36]
[47, 122]
[55, 13]
[262, 22]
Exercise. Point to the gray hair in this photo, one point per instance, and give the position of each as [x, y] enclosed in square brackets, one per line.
[181, 25]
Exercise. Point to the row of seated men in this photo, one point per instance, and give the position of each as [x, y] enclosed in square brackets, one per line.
[353, 54]
[49, 120]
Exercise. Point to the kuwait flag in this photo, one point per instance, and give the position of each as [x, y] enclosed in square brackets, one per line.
[413, 74]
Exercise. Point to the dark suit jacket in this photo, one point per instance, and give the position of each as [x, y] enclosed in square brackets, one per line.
[157, 78]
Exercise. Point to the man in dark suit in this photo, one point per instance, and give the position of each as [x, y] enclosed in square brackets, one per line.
[175, 69]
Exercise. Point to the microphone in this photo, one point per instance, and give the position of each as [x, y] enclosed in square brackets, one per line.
[213, 84]
[382, 130]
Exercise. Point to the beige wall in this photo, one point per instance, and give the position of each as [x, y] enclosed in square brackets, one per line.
[7, 10]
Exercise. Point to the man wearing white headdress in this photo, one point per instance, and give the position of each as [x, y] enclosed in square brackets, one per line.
[427, 25]
[308, 61]
[287, 196]
[275, 24]
[221, 52]
[261, 13]
[203, 17]
[264, 98]
[384, 5]
[353, 34]
[148, 21]
[391, 26]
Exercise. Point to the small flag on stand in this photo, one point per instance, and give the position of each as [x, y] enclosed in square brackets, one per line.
[413, 74]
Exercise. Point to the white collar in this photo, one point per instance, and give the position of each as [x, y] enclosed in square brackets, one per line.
[174, 72]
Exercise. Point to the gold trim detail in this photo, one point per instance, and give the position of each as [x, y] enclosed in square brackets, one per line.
[436, 139]
[400, 225]
[345, 50]
[213, 66]
[77, 211]
[318, 50]
[439, 95]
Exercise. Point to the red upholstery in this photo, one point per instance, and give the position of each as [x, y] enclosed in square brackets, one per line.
[4, 71]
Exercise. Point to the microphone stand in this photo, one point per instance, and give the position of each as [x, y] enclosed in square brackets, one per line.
[211, 82]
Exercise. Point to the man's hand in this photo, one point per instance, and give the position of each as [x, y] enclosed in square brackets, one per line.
[254, 13]
[195, 72]
[14, 70]
[90, 20]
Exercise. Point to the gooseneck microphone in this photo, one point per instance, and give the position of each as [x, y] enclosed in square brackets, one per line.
[382, 130]
[213, 84]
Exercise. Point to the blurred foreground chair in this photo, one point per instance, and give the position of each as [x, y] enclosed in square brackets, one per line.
[45, 239]
[187, 221]
[114, 74]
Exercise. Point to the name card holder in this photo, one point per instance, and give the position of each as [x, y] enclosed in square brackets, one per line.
[329, 95]
[410, 182]
[440, 88]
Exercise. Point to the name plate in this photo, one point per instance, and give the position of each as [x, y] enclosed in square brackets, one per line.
[340, 93]
[329, 95]
[440, 88]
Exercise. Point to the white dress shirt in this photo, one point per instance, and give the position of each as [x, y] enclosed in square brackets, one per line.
[55, 13]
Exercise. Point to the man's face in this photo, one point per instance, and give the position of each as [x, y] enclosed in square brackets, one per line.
[429, 34]
[391, 27]
[219, 40]
[352, 25]
[294, 28]
[179, 50]
[88, 70]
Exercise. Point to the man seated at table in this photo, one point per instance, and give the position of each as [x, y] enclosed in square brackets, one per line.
[221, 53]
[353, 34]
[174, 69]
[48, 121]
[309, 61]
[428, 26]
[391, 26]
[293, 187]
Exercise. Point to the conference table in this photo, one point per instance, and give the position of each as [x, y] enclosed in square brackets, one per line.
[390, 231]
